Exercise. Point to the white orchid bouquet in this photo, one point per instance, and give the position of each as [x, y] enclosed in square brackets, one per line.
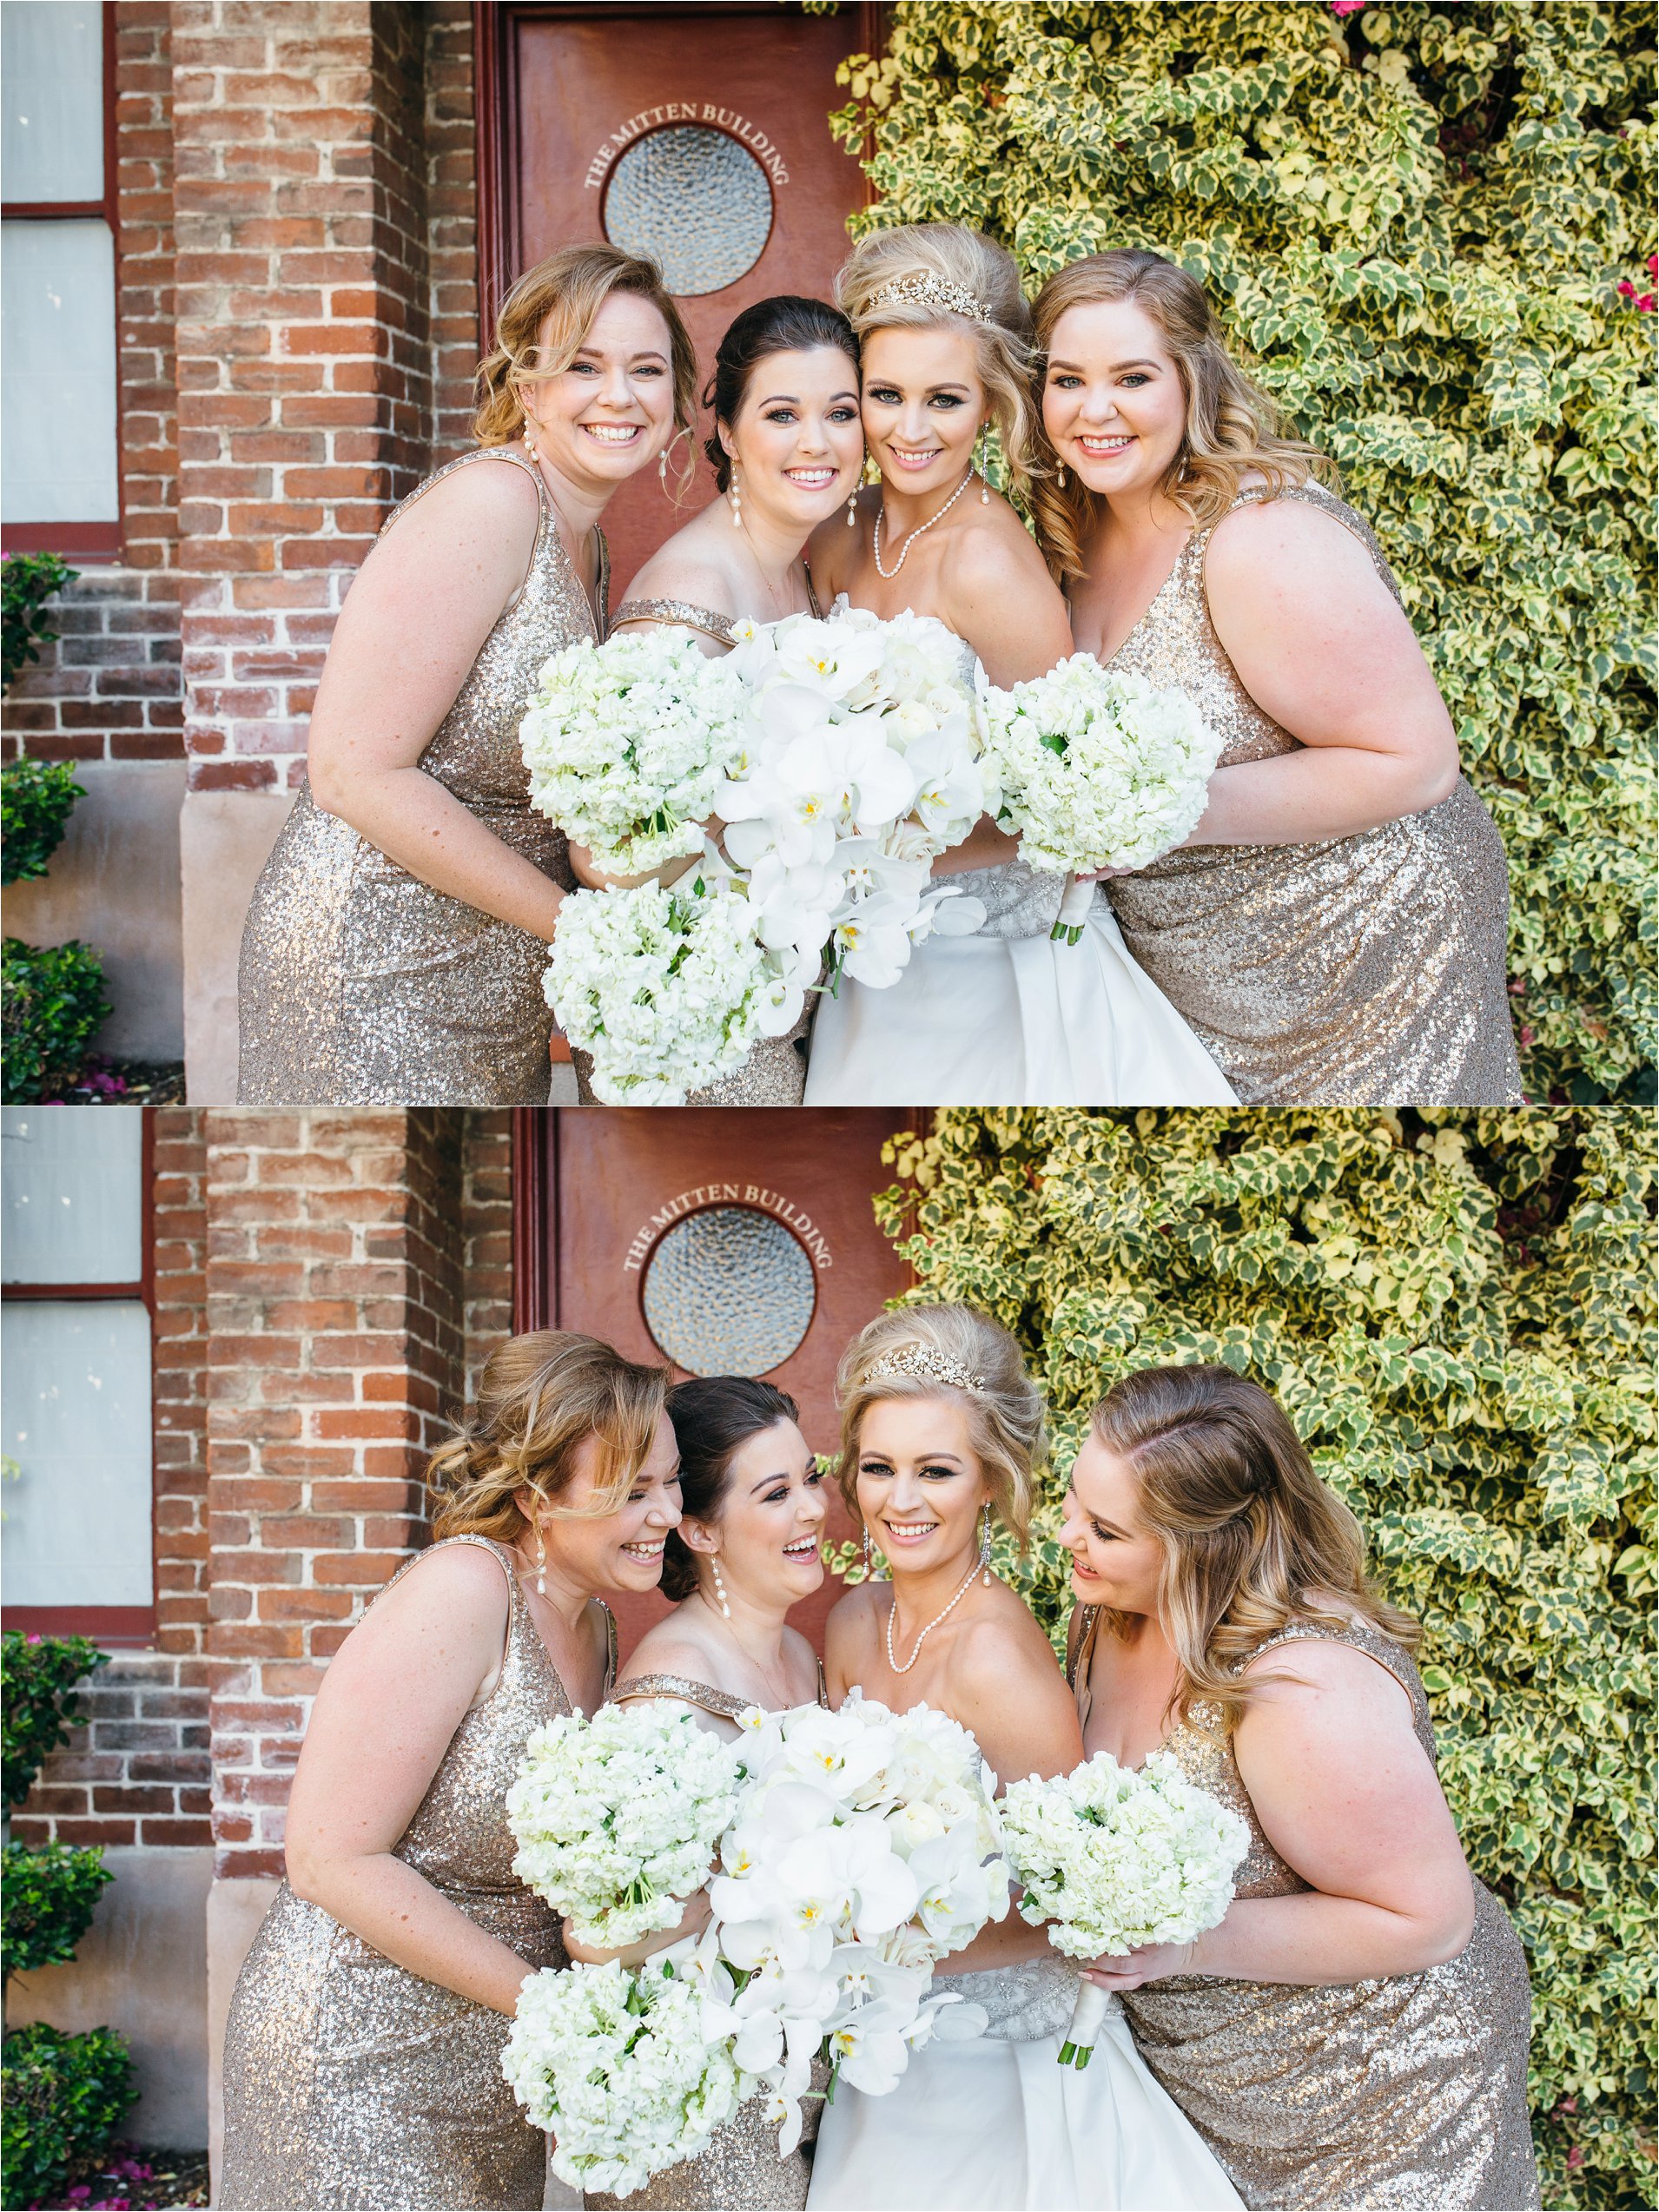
[860, 770]
[614, 2063]
[865, 1848]
[669, 987]
[1095, 769]
[617, 1819]
[1115, 1858]
[626, 744]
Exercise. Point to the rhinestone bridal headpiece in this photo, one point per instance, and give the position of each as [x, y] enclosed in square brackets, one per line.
[929, 291]
[928, 1366]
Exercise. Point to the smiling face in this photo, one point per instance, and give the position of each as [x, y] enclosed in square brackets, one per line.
[920, 1486]
[796, 439]
[924, 404]
[1113, 401]
[770, 1521]
[622, 1551]
[611, 410]
[1115, 1561]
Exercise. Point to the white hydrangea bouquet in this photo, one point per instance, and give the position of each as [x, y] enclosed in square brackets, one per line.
[626, 742]
[614, 2063]
[866, 1847]
[860, 770]
[668, 987]
[617, 1819]
[1115, 1858]
[1096, 770]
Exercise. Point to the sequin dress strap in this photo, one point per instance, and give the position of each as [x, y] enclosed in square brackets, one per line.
[813, 608]
[1305, 495]
[823, 1689]
[686, 1689]
[677, 614]
[1080, 1657]
[1360, 1636]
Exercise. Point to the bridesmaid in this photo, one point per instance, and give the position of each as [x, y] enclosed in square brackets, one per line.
[787, 450]
[1335, 928]
[394, 949]
[746, 1549]
[1355, 2032]
[363, 2048]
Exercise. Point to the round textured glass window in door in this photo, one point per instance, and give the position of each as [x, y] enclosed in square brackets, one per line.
[696, 201]
[729, 1291]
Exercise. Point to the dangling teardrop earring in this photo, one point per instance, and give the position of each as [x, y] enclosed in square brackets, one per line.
[736, 499]
[541, 1564]
[868, 1570]
[985, 1545]
[984, 455]
[852, 506]
[719, 1587]
[529, 440]
[1060, 477]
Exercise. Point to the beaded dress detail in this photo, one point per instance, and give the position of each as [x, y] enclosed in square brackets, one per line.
[351, 2082]
[1406, 2090]
[740, 2171]
[361, 985]
[775, 1071]
[1365, 970]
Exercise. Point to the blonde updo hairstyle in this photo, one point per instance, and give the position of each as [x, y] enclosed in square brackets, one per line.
[539, 1399]
[547, 315]
[1252, 1538]
[950, 253]
[1005, 1414]
[1233, 428]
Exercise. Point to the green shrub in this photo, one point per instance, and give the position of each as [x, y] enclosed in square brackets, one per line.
[1415, 222]
[36, 798]
[27, 581]
[55, 1002]
[47, 1905]
[38, 1701]
[1457, 1310]
[65, 2097]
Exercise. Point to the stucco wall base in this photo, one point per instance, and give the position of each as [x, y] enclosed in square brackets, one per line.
[142, 1968]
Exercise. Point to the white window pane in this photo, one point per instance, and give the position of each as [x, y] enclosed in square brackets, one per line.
[57, 371]
[76, 1421]
[52, 85]
[73, 1182]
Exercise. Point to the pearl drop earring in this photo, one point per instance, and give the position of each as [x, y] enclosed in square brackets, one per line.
[529, 440]
[852, 508]
[719, 1587]
[541, 1564]
[736, 496]
[1060, 477]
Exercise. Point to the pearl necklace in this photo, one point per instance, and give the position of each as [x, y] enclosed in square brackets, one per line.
[893, 1614]
[920, 528]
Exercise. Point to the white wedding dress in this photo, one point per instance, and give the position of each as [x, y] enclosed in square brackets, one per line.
[998, 2125]
[1010, 1017]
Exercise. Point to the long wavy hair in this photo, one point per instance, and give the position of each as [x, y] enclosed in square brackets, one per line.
[1252, 1538]
[1233, 429]
[548, 313]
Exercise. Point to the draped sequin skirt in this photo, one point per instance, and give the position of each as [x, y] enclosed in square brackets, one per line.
[350, 2082]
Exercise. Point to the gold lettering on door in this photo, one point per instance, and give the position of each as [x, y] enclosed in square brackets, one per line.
[708, 1194]
[686, 111]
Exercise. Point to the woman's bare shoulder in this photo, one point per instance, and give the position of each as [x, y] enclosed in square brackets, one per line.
[1282, 537]
[856, 1613]
[459, 1586]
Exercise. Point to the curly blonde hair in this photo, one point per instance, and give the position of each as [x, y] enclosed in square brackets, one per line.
[1233, 429]
[540, 1397]
[545, 318]
[1005, 1409]
[964, 260]
[1247, 1528]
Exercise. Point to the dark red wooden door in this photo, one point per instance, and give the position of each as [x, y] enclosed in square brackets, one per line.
[697, 132]
[723, 1240]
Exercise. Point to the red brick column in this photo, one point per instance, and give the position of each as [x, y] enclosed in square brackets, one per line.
[334, 1295]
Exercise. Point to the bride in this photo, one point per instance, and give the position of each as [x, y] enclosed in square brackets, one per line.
[944, 332]
[787, 451]
[942, 1429]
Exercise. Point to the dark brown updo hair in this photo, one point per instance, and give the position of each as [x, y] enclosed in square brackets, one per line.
[787, 324]
[712, 1415]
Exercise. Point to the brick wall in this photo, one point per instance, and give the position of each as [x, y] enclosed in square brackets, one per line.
[487, 1223]
[136, 1771]
[179, 1384]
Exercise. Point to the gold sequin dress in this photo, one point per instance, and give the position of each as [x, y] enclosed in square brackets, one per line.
[740, 2171]
[775, 1071]
[359, 985]
[351, 2082]
[1407, 2091]
[1366, 970]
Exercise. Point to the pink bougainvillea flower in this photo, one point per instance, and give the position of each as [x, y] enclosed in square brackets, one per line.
[1653, 265]
[1346, 7]
[1644, 306]
[1627, 290]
